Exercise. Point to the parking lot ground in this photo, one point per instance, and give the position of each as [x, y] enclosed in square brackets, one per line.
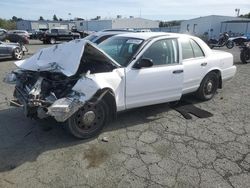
[147, 147]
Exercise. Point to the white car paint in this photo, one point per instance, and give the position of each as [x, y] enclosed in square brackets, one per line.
[134, 87]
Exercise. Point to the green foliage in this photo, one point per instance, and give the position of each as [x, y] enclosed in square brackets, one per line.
[55, 18]
[41, 18]
[245, 15]
[7, 24]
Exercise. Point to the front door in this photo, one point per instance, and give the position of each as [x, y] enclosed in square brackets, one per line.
[157, 84]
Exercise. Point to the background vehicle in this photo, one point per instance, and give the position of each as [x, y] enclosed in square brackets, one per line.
[88, 86]
[101, 36]
[58, 35]
[245, 53]
[19, 32]
[10, 50]
[222, 41]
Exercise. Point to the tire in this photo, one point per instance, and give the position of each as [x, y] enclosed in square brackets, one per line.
[17, 54]
[245, 56]
[52, 40]
[88, 121]
[230, 44]
[208, 87]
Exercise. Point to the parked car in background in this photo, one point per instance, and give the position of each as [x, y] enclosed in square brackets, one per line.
[58, 35]
[10, 50]
[85, 85]
[20, 32]
[101, 36]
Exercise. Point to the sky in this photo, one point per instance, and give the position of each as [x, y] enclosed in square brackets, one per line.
[150, 9]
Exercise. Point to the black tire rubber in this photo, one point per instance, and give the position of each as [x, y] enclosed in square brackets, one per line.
[14, 55]
[230, 44]
[245, 56]
[77, 128]
[213, 78]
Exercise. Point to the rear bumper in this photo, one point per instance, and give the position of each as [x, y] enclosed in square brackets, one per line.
[229, 73]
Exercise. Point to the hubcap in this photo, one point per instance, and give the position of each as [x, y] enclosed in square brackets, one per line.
[209, 86]
[18, 54]
[88, 118]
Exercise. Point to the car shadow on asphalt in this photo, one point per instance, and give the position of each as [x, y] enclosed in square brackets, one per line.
[23, 140]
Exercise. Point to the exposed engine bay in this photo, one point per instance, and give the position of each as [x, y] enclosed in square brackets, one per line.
[44, 93]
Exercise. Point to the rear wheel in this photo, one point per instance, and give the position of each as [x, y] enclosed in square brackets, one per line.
[89, 120]
[230, 44]
[208, 87]
[17, 54]
[52, 40]
[245, 56]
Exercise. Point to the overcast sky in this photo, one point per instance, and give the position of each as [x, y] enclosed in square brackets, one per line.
[151, 9]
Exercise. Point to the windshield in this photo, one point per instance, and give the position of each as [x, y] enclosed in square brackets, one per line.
[121, 49]
[91, 37]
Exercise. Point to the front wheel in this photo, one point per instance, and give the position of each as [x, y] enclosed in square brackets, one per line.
[208, 87]
[88, 121]
[245, 56]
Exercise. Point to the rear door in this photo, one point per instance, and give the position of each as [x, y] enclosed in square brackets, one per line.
[157, 84]
[194, 62]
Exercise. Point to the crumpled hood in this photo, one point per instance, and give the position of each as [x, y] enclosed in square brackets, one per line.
[65, 58]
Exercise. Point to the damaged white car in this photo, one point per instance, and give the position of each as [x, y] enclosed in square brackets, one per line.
[85, 85]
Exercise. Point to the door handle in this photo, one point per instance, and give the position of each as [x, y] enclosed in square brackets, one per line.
[177, 71]
[204, 64]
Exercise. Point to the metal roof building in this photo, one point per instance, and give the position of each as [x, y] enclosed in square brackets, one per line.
[118, 23]
[213, 25]
[30, 25]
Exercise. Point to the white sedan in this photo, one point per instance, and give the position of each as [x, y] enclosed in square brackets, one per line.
[85, 85]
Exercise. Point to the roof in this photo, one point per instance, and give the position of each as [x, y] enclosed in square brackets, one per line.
[47, 21]
[237, 21]
[148, 35]
[229, 17]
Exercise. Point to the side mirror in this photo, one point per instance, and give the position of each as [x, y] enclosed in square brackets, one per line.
[143, 63]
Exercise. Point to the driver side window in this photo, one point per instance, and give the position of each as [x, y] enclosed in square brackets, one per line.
[163, 52]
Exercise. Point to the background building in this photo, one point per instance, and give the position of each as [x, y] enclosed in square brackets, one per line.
[213, 25]
[30, 25]
[118, 23]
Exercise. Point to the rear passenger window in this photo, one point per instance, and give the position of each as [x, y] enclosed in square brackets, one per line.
[187, 51]
[197, 49]
[190, 49]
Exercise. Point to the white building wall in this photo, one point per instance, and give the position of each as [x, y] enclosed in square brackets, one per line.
[93, 25]
[134, 23]
[119, 23]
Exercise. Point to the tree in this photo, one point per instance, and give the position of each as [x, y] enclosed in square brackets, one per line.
[7, 24]
[41, 18]
[14, 18]
[60, 19]
[55, 18]
[245, 15]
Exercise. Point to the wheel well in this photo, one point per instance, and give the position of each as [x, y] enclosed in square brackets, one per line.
[218, 72]
[109, 97]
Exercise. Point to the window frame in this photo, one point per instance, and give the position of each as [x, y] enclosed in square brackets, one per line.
[192, 58]
[163, 65]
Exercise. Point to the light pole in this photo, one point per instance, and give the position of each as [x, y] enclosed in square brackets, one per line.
[237, 11]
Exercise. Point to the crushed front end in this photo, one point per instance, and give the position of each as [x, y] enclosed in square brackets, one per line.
[44, 94]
